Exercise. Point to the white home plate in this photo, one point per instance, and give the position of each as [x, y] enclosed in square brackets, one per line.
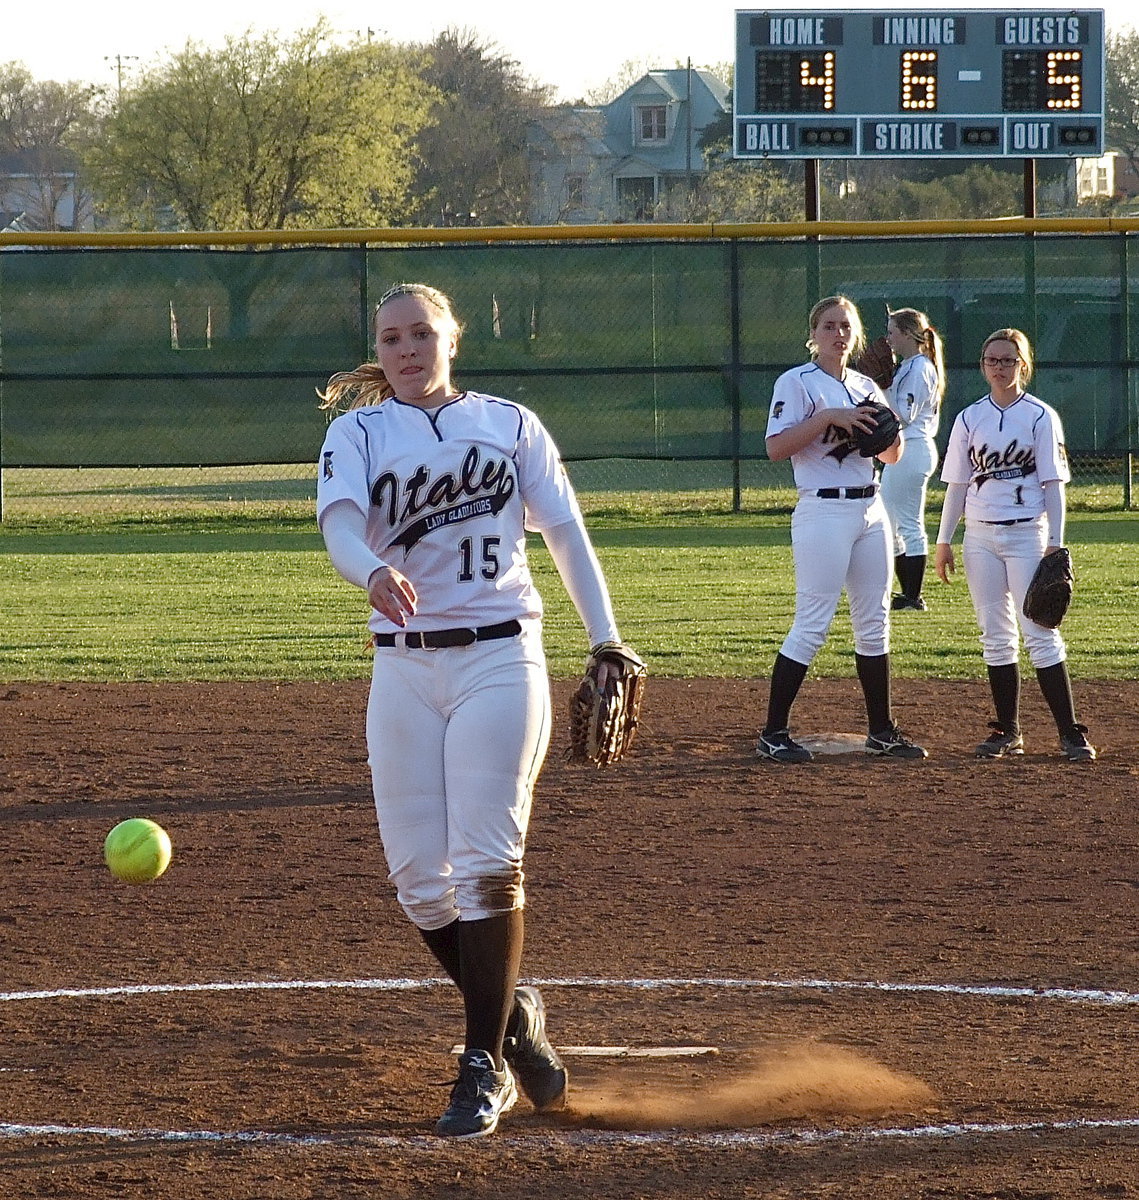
[833, 743]
[631, 1051]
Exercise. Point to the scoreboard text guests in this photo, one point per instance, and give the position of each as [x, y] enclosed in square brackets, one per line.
[977, 83]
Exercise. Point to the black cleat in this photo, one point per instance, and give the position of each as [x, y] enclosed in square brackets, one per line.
[479, 1097]
[781, 747]
[1075, 744]
[893, 743]
[903, 601]
[529, 1054]
[999, 743]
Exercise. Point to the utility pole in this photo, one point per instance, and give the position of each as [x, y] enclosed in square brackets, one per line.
[120, 60]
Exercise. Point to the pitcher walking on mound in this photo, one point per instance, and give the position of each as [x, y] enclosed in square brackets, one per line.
[424, 496]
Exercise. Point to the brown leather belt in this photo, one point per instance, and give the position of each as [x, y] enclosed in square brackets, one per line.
[439, 639]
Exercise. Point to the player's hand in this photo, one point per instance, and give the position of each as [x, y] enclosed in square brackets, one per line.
[850, 418]
[392, 595]
[943, 561]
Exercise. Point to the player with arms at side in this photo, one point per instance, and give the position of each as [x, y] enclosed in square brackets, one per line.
[915, 395]
[840, 535]
[1006, 470]
[424, 496]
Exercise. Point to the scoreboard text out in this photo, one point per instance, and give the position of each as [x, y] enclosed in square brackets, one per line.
[978, 83]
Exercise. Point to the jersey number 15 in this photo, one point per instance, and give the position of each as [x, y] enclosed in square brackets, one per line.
[488, 561]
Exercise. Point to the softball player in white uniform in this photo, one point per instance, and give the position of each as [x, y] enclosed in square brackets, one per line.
[839, 532]
[1006, 469]
[915, 395]
[424, 497]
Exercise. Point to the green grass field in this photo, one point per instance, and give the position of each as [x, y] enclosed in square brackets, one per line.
[698, 589]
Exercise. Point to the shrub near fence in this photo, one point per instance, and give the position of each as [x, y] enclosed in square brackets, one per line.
[135, 376]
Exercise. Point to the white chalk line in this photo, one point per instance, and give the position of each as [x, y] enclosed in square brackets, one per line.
[741, 1139]
[1093, 996]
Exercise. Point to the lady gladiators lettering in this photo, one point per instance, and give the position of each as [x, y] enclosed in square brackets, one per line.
[1013, 462]
[481, 489]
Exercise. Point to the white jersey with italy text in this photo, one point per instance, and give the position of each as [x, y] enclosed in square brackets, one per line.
[913, 396]
[448, 498]
[1006, 455]
[832, 459]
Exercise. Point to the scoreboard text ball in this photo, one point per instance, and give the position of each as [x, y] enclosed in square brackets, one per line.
[978, 83]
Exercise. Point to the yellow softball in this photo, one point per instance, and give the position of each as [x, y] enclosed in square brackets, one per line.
[137, 850]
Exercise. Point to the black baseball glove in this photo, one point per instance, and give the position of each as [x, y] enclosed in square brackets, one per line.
[1050, 590]
[877, 361]
[885, 431]
[603, 719]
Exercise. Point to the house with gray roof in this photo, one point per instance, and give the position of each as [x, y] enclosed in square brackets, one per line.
[622, 161]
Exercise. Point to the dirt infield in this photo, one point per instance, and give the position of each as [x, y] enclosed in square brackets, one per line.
[920, 979]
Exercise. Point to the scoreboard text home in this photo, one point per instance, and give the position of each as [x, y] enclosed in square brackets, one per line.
[978, 83]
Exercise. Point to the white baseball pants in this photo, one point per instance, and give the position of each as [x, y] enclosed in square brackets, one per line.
[1000, 561]
[836, 544]
[456, 739]
[904, 486]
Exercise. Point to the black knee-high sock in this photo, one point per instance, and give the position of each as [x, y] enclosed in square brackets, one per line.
[1057, 689]
[900, 571]
[874, 675]
[444, 944]
[1004, 683]
[491, 954]
[915, 575]
[786, 679]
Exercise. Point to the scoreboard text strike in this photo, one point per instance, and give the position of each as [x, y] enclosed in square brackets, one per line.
[978, 83]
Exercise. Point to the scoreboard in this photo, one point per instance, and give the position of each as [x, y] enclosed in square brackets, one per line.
[974, 83]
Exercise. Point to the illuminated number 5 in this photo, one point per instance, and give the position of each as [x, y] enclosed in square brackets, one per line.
[1064, 79]
[489, 568]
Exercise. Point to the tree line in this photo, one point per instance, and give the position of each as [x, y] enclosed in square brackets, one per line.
[308, 132]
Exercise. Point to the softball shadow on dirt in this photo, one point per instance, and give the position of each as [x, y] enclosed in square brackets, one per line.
[796, 1082]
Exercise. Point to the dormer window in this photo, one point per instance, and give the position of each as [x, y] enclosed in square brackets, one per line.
[651, 123]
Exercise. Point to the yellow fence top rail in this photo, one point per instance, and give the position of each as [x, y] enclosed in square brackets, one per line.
[579, 233]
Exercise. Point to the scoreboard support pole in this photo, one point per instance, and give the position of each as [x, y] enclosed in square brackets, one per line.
[1030, 248]
[811, 189]
[812, 203]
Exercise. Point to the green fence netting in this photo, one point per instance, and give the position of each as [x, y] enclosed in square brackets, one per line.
[635, 354]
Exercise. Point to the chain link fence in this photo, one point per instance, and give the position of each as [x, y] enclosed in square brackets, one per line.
[136, 380]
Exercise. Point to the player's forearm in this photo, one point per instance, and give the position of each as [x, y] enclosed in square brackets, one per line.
[1055, 510]
[580, 571]
[952, 509]
[790, 441]
[343, 527]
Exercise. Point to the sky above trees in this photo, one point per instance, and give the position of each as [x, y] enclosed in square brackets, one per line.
[572, 48]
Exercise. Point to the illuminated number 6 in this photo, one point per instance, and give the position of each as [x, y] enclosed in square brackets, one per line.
[919, 80]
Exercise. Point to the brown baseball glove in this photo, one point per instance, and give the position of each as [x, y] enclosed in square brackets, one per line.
[877, 361]
[1050, 589]
[603, 719]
